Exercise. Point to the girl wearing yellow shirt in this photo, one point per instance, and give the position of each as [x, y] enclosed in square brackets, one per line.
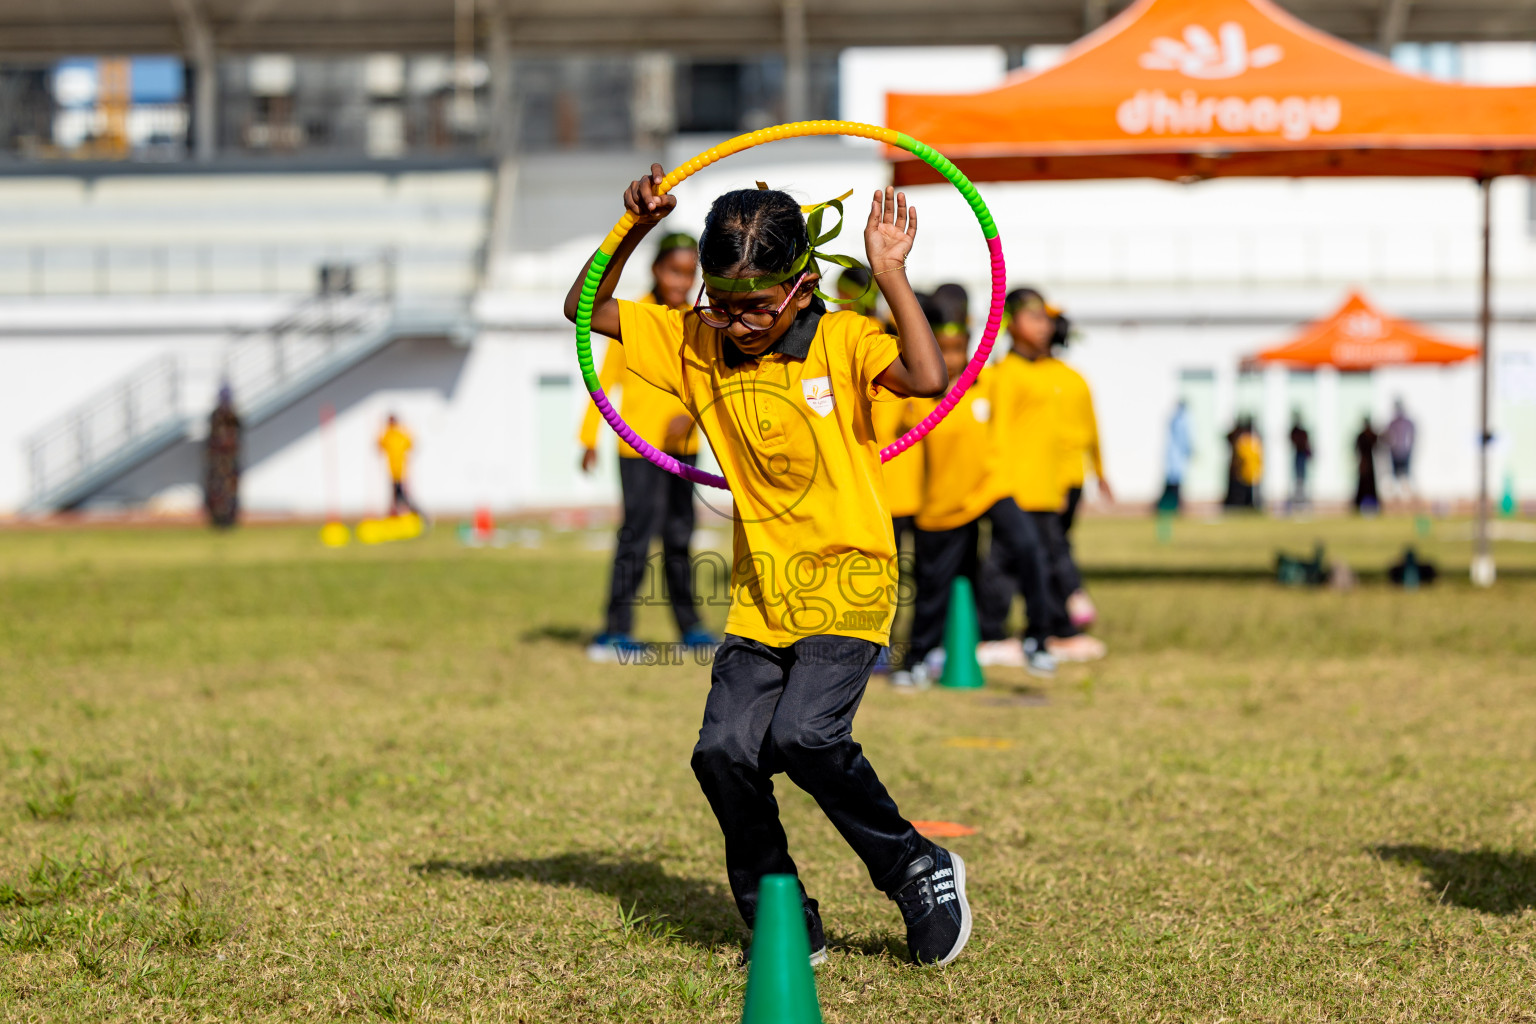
[396, 444]
[1035, 433]
[782, 389]
[655, 501]
[967, 481]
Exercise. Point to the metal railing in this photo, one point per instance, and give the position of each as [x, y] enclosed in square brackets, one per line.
[157, 270]
[260, 365]
[148, 409]
[143, 405]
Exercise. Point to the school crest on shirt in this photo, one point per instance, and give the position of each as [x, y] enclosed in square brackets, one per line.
[818, 394]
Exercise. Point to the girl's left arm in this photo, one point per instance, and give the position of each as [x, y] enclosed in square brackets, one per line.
[888, 237]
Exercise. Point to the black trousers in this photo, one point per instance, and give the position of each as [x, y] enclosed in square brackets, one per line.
[398, 499]
[1060, 567]
[906, 584]
[790, 709]
[944, 554]
[901, 526]
[1069, 510]
[655, 501]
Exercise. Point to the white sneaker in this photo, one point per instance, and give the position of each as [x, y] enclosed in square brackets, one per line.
[933, 661]
[1076, 648]
[901, 679]
[1008, 653]
[921, 677]
[1037, 660]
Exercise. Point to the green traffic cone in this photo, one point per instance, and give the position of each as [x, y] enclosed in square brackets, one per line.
[961, 669]
[781, 986]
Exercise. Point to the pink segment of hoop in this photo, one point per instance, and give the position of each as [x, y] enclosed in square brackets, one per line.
[660, 458]
[972, 368]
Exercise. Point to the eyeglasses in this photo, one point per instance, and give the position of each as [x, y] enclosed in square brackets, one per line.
[760, 319]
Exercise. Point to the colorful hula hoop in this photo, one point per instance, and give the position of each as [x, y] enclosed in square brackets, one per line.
[790, 131]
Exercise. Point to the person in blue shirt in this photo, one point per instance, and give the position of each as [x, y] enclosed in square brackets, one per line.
[1180, 448]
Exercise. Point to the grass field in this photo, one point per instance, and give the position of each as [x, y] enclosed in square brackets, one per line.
[249, 778]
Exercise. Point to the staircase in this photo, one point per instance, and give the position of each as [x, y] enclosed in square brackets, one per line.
[106, 435]
[148, 411]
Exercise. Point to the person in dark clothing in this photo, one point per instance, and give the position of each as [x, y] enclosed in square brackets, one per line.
[221, 479]
[1241, 488]
[1399, 438]
[1366, 499]
[1301, 458]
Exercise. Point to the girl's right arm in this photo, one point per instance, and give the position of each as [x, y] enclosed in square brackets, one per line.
[648, 208]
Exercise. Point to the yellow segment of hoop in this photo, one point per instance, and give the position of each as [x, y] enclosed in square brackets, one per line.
[736, 145]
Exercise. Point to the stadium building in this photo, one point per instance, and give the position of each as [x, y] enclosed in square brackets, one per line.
[378, 208]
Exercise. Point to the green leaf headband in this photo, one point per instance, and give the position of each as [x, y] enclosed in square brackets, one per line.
[818, 237]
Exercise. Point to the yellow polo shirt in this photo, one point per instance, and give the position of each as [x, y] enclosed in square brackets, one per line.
[1028, 399]
[1250, 458]
[966, 471]
[904, 473]
[813, 548]
[1079, 427]
[651, 411]
[395, 444]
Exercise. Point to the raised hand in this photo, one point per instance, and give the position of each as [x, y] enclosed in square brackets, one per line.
[641, 199]
[890, 231]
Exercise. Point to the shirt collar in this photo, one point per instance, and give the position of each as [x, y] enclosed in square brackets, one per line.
[796, 342]
[1035, 361]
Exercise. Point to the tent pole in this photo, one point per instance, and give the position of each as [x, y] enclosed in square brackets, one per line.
[1482, 556]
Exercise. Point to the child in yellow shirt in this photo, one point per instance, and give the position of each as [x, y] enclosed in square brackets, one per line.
[782, 389]
[655, 501]
[396, 444]
[967, 480]
[1080, 449]
[1035, 436]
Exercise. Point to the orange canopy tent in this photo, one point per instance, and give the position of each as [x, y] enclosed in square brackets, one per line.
[1359, 336]
[1192, 89]
[1200, 88]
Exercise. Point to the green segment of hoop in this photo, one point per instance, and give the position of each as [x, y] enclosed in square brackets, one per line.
[939, 162]
[589, 288]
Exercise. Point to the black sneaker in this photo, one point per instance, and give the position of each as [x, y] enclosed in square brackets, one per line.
[813, 930]
[932, 902]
